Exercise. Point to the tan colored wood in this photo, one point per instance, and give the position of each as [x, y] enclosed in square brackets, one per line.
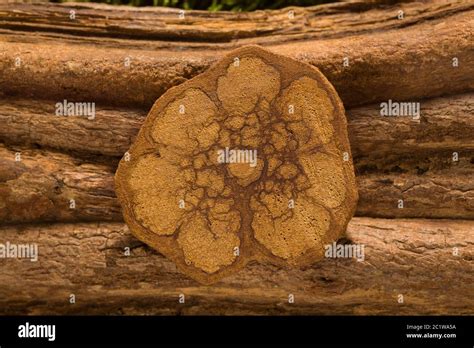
[243, 162]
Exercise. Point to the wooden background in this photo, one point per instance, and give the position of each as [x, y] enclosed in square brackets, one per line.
[423, 252]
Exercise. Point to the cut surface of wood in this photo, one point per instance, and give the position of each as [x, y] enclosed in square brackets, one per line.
[249, 160]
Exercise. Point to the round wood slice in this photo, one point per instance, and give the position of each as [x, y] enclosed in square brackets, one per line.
[249, 160]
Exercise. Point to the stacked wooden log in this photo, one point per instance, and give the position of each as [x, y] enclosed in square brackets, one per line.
[415, 174]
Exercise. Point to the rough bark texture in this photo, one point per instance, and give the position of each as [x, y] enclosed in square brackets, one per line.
[446, 124]
[34, 122]
[408, 58]
[45, 55]
[40, 186]
[428, 262]
[205, 28]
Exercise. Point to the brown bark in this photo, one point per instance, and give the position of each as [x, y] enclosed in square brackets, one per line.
[33, 122]
[389, 58]
[446, 124]
[444, 194]
[205, 27]
[428, 262]
[40, 186]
